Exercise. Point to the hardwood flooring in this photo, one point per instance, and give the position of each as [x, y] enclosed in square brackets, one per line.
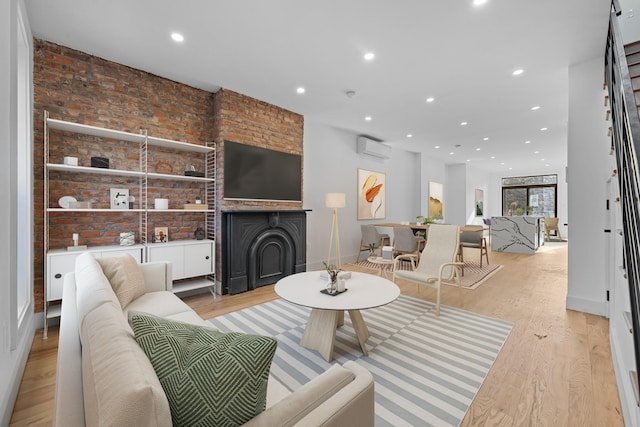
[555, 368]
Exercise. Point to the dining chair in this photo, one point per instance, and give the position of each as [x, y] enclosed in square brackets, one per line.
[473, 239]
[437, 261]
[370, 236]
[405, 242]
[551, 226]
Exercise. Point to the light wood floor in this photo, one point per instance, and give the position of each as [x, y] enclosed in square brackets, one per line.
[555, 368]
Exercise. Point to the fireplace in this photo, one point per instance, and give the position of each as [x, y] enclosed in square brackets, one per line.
[261, 247]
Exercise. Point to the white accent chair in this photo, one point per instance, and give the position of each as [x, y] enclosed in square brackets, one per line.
[437, 261]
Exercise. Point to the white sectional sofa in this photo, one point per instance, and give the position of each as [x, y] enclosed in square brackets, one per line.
[104, 378]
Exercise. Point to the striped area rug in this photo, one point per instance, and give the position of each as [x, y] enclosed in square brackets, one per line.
[427, 369]
[474, 275]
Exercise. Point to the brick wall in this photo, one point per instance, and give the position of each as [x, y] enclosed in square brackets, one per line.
[247, 120]
[82, 88]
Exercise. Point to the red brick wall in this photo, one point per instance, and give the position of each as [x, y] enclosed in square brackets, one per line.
[246, 120]
[82, 88]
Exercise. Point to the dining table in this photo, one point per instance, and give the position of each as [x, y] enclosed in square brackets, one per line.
[415, 226]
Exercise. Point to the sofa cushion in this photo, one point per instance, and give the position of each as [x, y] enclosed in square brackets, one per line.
[120, 386]
[125, 275]
[164, 304]
[209, 377]
[93, 288]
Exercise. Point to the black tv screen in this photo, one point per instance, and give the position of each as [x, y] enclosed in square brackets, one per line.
[254, 173]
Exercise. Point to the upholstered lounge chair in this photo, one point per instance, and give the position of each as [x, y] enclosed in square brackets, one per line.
[437, 261]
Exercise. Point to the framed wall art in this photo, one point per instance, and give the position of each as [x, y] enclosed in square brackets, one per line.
[479, 202]
[436, 195]
[161, 234]
[371, 194]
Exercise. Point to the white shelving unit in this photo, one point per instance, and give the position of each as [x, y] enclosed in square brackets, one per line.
[141, 142]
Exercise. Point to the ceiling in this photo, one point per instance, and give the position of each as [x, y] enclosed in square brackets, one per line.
[460, 54]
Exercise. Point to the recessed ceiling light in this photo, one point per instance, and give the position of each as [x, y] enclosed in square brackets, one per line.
[493, 157]
[542, 160]
[517, 72]
[409, 135]
[536, 152]
[300, 90]
[502, 163]
[431, 99]
[468, 160]
[543, 129]
[510, 168]
[368, 118]
[451, 153]
[547, 164]
[534, 108]
[486, 138]
[369, 56]
[463, 123]
[177, 37]
[437, 146]
[527, 142]
[479, 2]
[477, 149]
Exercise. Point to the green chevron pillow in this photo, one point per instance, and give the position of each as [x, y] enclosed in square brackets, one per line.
[209, 377]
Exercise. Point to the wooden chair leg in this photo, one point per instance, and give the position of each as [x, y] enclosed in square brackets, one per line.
[461, 258]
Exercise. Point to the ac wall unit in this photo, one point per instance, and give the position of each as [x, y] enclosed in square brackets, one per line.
[369, 147]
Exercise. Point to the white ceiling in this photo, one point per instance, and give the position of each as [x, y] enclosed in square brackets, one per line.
[460, 54]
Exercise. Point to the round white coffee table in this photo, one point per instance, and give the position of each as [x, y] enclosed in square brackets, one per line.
[383, 264]
[327, 312]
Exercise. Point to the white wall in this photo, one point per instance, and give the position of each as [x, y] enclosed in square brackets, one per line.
[12, 358]
[630, 20]
[330, 166]
[588, 171]
[455, 194]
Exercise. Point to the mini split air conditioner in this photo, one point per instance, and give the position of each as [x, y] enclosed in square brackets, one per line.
[372, 148]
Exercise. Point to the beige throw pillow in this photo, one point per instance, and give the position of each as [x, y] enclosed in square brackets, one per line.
[125, 275]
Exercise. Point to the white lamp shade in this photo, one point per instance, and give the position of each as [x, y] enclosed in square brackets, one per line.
[335, 200]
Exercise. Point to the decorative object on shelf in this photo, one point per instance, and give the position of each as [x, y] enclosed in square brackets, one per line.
[130, 200]
[371, 194]
[100, 162]
[198, 200]
[161, 204]
[79, 205]
[65, 201]
[75, 246]
[335, 201]
[190, 170]
[118, 198]
[161, 234]
[127, 238]
[194, 207]
[199, 233]
[71, 161]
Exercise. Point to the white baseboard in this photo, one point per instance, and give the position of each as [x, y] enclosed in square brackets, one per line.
[587, 306]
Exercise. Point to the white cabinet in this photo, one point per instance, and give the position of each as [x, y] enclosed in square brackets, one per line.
[190, 259]
[61, 262]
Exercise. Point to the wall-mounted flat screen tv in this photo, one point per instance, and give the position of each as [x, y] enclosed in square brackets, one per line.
[254, 173]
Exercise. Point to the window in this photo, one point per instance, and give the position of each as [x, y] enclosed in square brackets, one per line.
[23, 292]
[530, 195]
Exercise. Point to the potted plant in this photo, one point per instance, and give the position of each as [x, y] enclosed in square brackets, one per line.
[332, 271]
[437, 218]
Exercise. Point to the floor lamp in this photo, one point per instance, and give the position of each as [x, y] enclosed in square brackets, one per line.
[335, 201]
